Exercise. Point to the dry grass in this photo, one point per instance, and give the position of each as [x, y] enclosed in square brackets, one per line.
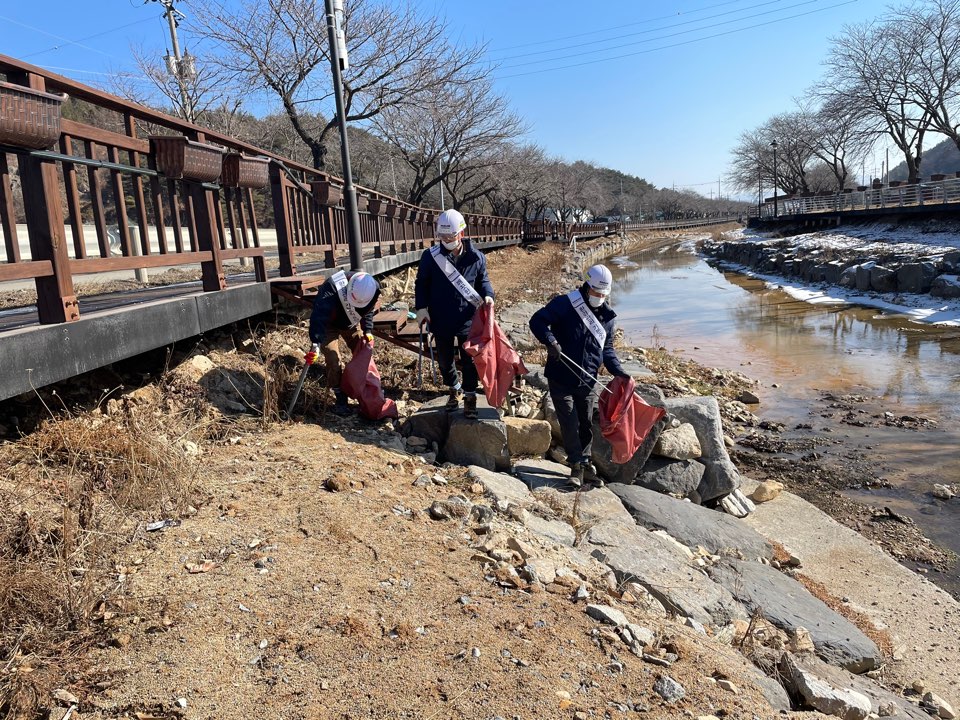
[74, 495]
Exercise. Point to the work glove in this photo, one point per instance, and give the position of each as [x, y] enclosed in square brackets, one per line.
[369, 338]
[488, 300]
[311, 357]
[423, 316]
[625, 375]
[553, 350]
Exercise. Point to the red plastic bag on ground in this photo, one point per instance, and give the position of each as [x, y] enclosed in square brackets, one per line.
[625, 419]
[496, 360]
[361, 381]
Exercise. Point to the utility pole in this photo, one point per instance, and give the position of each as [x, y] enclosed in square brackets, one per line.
[182, 67]
[338, 63]
[776, 180]
[442, 206]
[623, 229]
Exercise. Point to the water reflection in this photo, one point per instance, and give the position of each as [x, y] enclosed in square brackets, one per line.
[730, 319]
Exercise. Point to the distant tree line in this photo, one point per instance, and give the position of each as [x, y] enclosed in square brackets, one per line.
[424, 115]
[891, 81]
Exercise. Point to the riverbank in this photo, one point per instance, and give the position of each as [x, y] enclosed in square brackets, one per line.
[300, 573]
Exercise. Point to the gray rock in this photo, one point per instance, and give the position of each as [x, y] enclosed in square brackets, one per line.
[916, 277]
[818, 693]
[639, 556]
[542, 570]
[536, 473]
[721, 476]
[592, 505]
[678, 443]
[515, 322]
[883, 279]
[877, 695]
[673, 477]
[501, 486]
[550, 415]
[668, 688]
[607, 614]
[748, 398]
[535, 377]
[946, 286]
[788, 605]
[480, 442]
[692, 524]
[431, 422]
[951, 261]
[737, 504]
[637, 370]
[553, 530]
[863, 272]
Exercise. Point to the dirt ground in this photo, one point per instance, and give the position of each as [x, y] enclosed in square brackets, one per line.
[300, 576]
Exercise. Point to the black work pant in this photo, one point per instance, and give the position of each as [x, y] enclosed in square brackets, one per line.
[575, 415]
[448, 368]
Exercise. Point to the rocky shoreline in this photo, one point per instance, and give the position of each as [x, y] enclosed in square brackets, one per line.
[681, 608]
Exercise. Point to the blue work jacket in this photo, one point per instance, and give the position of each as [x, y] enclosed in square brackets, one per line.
[450, 313]
[558, 321]
[328, 313]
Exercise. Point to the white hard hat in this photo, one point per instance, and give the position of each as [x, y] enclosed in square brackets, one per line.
[599, 279]
[450, 222]
[360, 289]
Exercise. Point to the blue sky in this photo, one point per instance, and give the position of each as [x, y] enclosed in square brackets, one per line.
[669, 111]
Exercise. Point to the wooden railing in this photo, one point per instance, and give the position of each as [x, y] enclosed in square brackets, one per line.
[161, 221]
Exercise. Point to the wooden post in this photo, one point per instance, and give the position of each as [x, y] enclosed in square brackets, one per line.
[281, 215]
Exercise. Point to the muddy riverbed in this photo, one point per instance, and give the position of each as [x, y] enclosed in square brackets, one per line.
[859, 412]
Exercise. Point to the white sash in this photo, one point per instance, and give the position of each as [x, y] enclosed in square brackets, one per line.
[454, 276]
[589, 319]
[339, 280]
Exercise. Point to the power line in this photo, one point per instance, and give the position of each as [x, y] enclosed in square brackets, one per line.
[50, 34]
[84, 39]
[618, 27]
[652, 30]
[661, 37]
[679, 44]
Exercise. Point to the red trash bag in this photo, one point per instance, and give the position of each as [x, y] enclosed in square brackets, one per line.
[496, 360]
[625, 419]
[361, 381]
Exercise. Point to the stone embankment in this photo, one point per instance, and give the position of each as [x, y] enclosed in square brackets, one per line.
[660, 536]
[881, 270]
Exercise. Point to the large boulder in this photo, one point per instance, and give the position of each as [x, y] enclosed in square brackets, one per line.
[515, 322]
[535, 377]
[788, 605]
[916, 277]
[946, 286]
[537, 473]
[819, 685]
[431, 421]
[691, 524]
[638, 555]
[951, 261]
[671, 477]
[602, 453]
[678, 443]
[501, 486]
[721, 476]
[480, 442]
[527, 437]
[883, 279]
[863, 272]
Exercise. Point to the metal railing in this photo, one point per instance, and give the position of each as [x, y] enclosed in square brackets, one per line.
[933, 192]
[102, 180]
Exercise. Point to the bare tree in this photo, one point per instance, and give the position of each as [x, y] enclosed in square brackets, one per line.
[521, 182]
[839, 137]
[873, 67]
[931, 34]
[398, 57]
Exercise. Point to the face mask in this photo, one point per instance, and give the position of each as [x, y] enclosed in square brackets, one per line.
[595, 301]
[451, 245]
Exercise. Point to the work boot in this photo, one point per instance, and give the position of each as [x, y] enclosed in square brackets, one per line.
[340, 406]
[576, 475]
[470, 406]
[453, 402]
[590, 473]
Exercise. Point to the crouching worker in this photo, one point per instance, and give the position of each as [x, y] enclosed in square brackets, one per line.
[451, 284]
[577, 329]
[344, 308]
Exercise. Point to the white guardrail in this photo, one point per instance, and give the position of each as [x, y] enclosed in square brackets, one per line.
[929, 192]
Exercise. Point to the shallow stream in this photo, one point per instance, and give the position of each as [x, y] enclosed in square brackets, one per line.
[798, 352]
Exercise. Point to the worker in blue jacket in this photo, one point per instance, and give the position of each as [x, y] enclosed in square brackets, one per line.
[577, 329]
[344, 308]
[451, 284]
